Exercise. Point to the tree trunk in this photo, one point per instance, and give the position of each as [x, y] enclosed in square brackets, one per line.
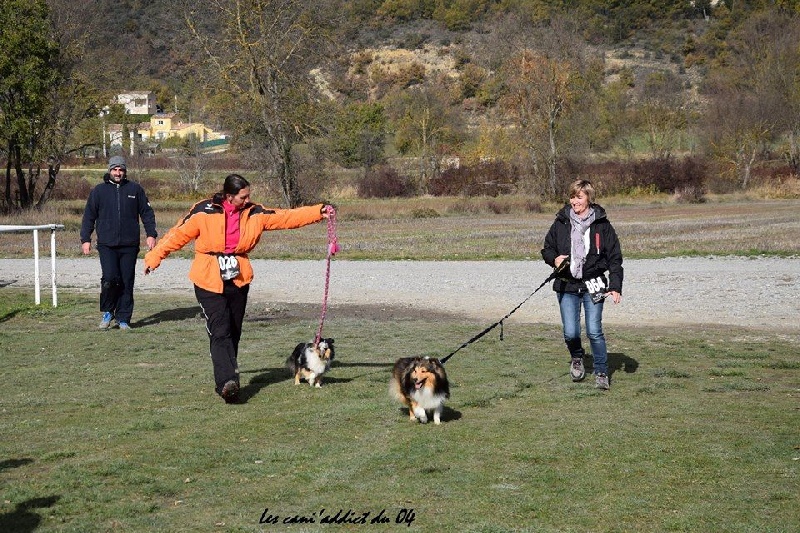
[52, 172]
[8, 180]
[747, 166]
[16, 155]
[553, 157]
[551, 161]
[288, 180]
[793, 157]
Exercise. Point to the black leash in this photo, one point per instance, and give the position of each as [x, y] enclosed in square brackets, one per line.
[552, 276]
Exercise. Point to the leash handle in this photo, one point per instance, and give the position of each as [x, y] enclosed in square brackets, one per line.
[333, 242]
[333, 247]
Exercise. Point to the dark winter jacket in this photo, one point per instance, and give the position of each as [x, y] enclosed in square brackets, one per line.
[604, 254]
[114, 210]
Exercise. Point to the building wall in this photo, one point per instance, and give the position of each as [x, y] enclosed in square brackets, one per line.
[138, 103]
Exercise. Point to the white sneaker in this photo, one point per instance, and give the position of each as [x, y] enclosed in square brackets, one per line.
[576, 369]
[105, 323]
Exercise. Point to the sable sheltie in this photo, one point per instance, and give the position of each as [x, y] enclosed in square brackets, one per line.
[310, 362]
[420, 383]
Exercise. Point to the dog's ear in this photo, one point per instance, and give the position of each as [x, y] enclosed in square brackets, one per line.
[409, 365]
[299, 349]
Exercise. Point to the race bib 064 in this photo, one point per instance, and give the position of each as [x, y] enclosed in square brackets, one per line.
[597, 288]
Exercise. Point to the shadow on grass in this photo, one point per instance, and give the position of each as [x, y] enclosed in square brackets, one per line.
[620, 361]
[170, 315]
[14, 463]
[264, 377]
[367, 374]
[448, 415]
[23, 519]
[9, 316]
[616, 362]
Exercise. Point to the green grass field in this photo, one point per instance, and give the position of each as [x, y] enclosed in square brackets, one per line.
[121, 431]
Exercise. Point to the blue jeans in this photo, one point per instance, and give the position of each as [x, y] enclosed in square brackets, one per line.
[570, 305]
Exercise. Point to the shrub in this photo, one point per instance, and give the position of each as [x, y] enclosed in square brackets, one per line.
[498, 208]
[384, 182]
[533, 206]
[490, 178]
[424, 212]
[686, 177]
[71, 187]
[464, 207]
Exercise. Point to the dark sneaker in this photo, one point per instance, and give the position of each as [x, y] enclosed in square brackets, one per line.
[124, 325]
[576, 369]
[230, 392]
[105, 323]
[601, 381]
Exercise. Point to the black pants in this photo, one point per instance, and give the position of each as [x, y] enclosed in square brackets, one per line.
[118, 265]
[224, 315]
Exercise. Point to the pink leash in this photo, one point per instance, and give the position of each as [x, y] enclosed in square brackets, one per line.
[333, 247]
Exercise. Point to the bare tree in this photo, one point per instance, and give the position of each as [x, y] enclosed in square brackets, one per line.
[423, 124]
[737, 130]
[191, 163]
[755, 94]
[546, 79]
[661, 112]
[259, 60]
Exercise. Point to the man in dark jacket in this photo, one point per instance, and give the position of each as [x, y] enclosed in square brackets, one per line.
[114, 209]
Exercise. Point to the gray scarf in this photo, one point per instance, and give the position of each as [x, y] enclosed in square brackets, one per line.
[579, 227]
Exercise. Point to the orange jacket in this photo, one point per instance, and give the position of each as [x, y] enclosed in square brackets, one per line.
[205, 224]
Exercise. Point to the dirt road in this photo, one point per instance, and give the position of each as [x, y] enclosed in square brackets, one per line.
[762, 293]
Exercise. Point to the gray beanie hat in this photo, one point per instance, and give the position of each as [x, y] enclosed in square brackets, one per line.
[117, 161]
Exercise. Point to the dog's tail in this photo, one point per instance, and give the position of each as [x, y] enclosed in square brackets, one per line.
[396, 391]
[294, 361]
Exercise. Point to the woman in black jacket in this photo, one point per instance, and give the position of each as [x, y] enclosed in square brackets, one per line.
[582, 245]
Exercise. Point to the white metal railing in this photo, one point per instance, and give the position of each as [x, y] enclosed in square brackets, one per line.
[35, 230]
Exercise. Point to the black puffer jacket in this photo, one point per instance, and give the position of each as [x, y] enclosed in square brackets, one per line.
[114, 210]
[604, 254]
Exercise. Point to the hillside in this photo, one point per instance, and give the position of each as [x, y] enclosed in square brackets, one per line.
[146, 45]
[450, 96]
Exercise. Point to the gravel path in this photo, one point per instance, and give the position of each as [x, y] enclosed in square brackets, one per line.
[762, 293]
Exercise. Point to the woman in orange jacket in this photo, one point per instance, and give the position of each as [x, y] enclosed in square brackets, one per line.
[225, 228]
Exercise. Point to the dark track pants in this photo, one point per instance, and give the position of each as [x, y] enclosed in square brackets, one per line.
[224, 314]
[118, 265]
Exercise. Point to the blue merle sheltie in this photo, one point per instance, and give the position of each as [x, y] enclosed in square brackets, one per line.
[309, 361]
[420, 383]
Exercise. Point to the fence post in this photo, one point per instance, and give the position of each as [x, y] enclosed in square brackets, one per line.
[37, 291]
[36, 280]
